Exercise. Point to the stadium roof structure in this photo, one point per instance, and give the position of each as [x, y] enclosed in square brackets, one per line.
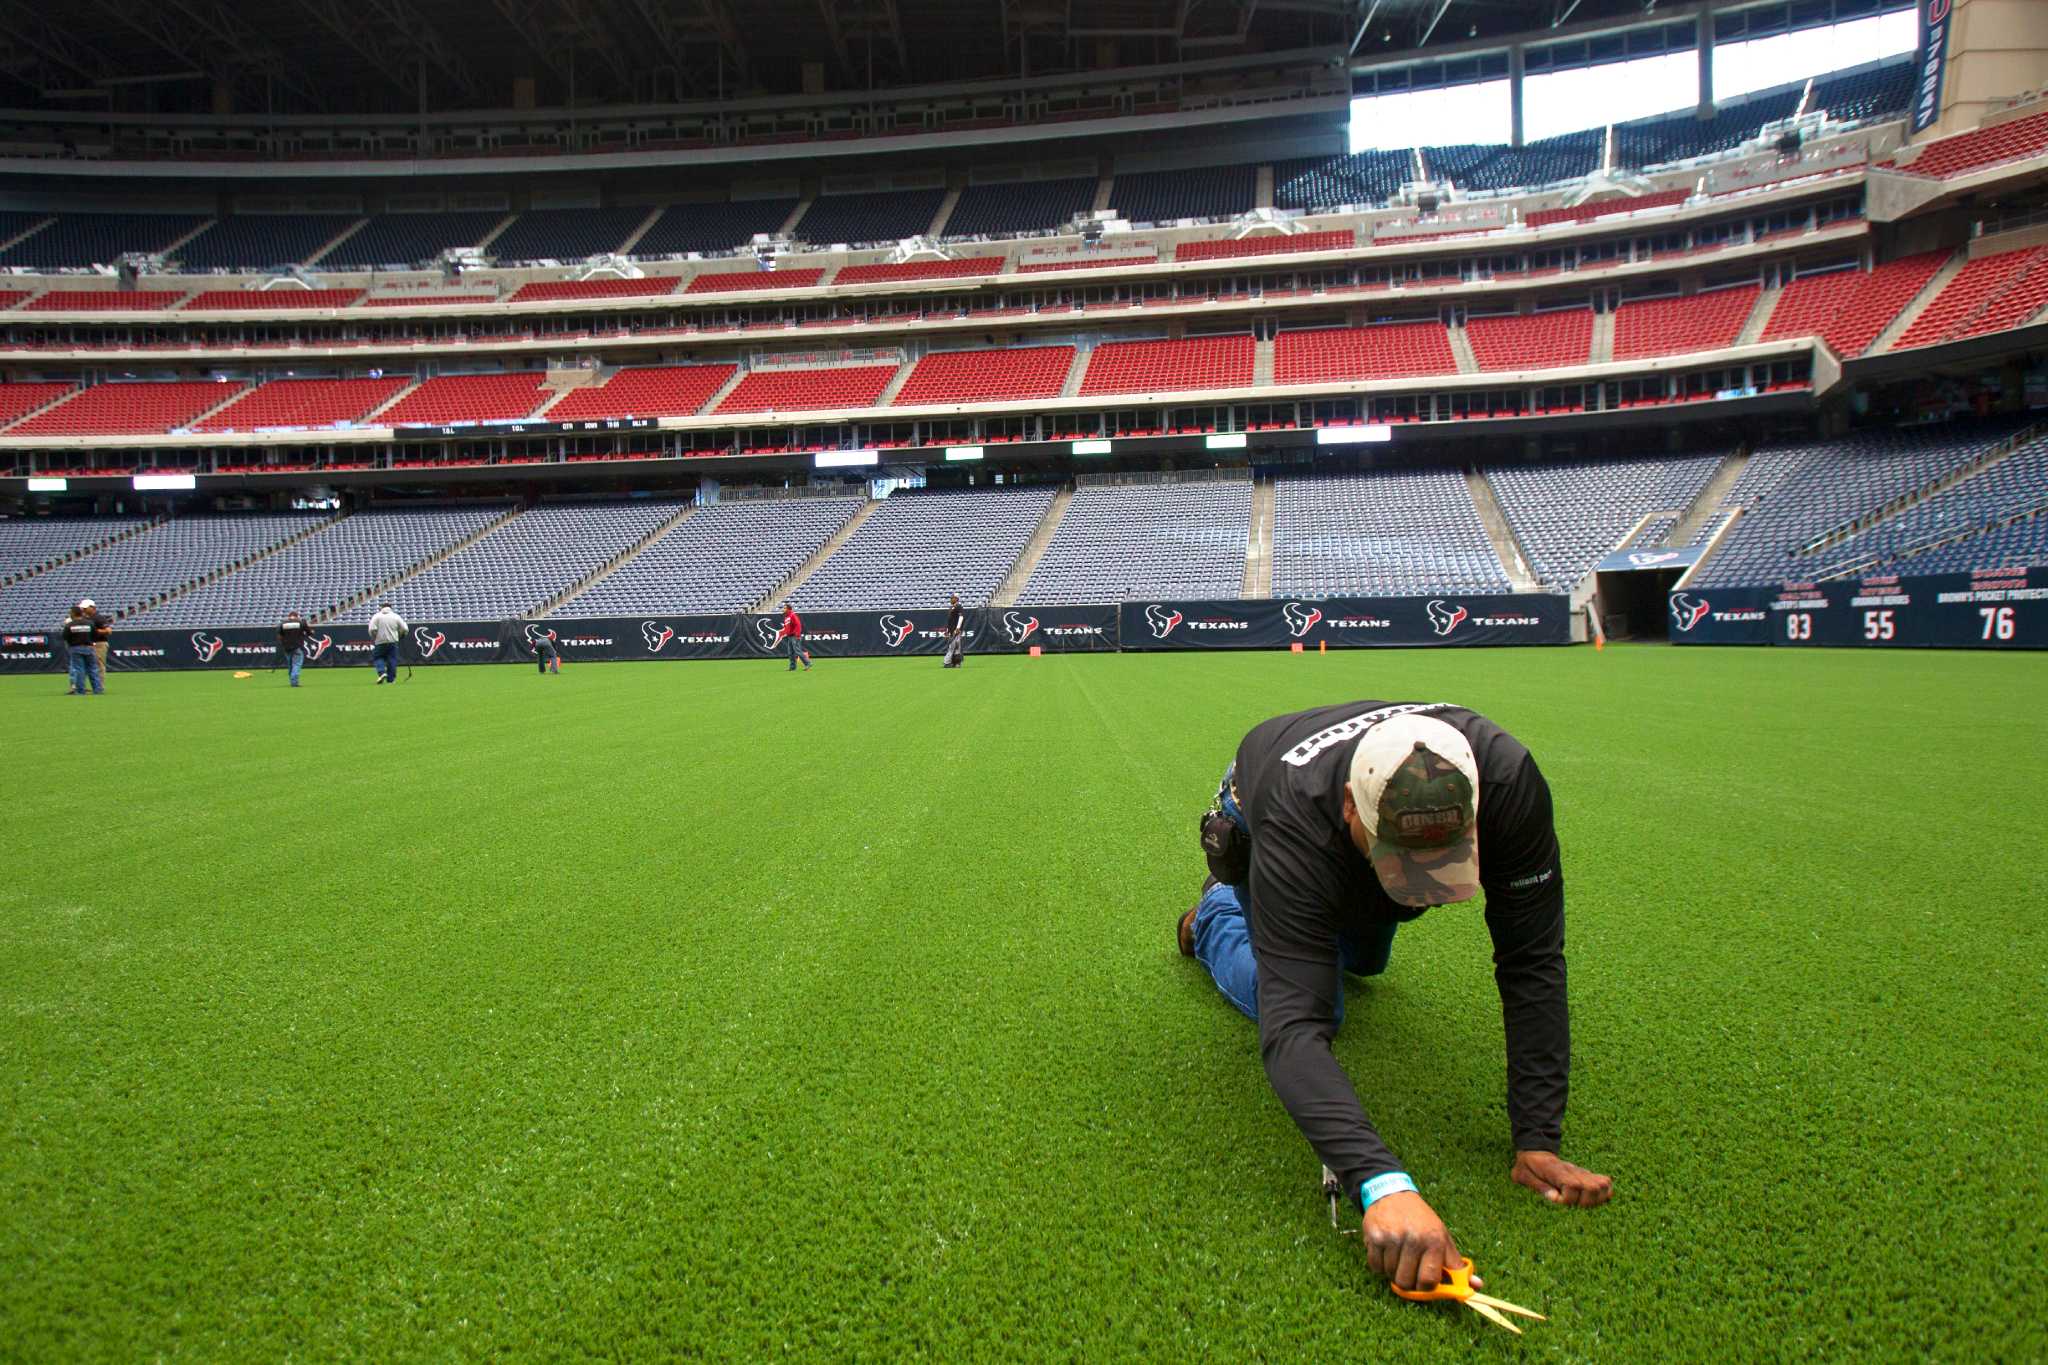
[397, 56]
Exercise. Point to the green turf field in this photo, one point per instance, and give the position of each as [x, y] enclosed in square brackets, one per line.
[704, 1010]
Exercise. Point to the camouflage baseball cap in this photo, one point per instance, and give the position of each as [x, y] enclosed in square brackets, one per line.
[1416, 786]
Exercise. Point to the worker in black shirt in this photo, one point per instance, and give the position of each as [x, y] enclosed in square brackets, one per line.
[956, 636]
[1334, 827]
[79, 630]
[292, 634]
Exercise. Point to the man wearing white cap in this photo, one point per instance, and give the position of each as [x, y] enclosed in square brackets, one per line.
[1331, 829]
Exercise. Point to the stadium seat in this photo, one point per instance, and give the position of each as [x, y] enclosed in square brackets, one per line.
[1116, 542]
[1389, 533]
[1950, 156]
[866, 219]
[80, 240]
[853, 386]
[1849, 309]
[725, 556]
[469, 398]
[554, 291]
[258, 241]
[955, 268]
[304, 403]
[1684, 135]
[916, 548]
[127, 573]
[717, 282]
[222, 300]
[19, 400]
[1020, 209]
[316, 574]
[103, 300]
[1269, 244]
[1224, 362]
[1674, 326]
[565, 234]
[1306, 184]
[1605, 208]
[1017, 373]
[1533, 341]
[653, 391]
[395, 241]
[1387, 351]
[1169, 196]
[128, 409]
[712, 228]
[1989, 292]
[1498, 166]
[1567, 515]
[1882, 92]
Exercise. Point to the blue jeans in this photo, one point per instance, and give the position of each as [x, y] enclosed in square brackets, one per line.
[295, 660]
[384, 658]
[85, 668]
[1223, 941]
[796, 648]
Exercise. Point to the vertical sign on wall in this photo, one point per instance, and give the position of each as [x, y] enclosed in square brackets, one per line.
[1930, 61]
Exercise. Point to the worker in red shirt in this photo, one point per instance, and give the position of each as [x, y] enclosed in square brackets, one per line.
[793, 631]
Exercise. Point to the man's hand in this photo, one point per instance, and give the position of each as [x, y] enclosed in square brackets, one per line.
[1406, 1242]
[1557, 1180]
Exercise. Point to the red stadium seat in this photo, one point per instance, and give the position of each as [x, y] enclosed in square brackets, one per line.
[1387, 351]
[128, 409]
[555, 290]
[853, 386]
[987, 376]
[727, 281]
[1677, 326]
[1537, 341]
[104, 301]
[654, 391]
[304, 403]
[1225, 362]
[469, 398]
[222, 300]
[1983, 147]
[1269, 245]
[919, 270]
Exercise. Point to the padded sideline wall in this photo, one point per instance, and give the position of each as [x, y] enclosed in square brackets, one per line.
[1996, 49]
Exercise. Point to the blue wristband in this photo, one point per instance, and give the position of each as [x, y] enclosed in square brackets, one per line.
[1380, 1186]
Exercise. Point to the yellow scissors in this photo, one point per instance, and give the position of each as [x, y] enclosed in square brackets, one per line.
[1457, 1285]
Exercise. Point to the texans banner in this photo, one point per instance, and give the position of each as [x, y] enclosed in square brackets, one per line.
[1629, 561]
[1053, 630]
[1994, 609]
[830, 634]
[1340, 622]
[31, 652]
[1930, 61]
[1721, 616]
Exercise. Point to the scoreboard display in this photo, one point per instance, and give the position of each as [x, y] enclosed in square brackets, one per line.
[1997, 609]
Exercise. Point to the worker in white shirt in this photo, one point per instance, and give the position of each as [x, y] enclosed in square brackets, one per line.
[387, 627]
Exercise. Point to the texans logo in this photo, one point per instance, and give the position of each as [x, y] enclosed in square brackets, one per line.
[428, 640]
[1300, 619]
[768, 630]
[1442, 619]
[534, 635]
[1161, 621]
[316, 645]
[656, 635]
[1017, 629]
[1686, 610]
[206, 646]
[896, 629]
[1644, 559]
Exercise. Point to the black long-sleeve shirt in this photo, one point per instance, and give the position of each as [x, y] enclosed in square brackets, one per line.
[1309, 883]
[291, 636]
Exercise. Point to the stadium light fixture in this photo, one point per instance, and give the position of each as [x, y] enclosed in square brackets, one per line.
[1091, 447]
[1225, 440]
[964, 452]
[164, 483]
[48, 485]
[1354, 436]
[846, 459]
